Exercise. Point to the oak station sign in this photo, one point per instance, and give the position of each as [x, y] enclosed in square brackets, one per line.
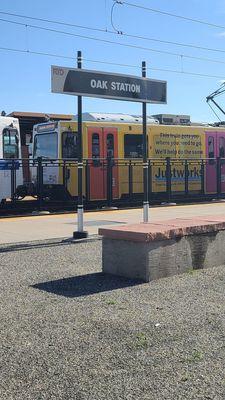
[81, 82]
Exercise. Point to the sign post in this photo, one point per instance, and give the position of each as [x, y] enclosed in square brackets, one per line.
[145, 153]
[80, 233]
[79, 82]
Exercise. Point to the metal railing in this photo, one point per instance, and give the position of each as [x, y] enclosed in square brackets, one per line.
[109, 181]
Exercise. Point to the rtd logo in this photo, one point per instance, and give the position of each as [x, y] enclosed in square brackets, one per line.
[58, 71]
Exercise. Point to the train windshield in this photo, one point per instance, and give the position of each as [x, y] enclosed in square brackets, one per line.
[46, 145]
[10, 143]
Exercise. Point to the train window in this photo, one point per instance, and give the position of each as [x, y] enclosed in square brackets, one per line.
[211, 147]
[222, 147]
[46, 145]
[110, 145]
[69, 145]
[133, 146]
[95, 150]
[95, 146]
[10, 143]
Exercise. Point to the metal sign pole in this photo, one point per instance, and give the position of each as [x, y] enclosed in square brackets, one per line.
[145, 153]
[80, 233]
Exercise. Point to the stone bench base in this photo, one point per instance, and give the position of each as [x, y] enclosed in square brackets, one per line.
[153, 251]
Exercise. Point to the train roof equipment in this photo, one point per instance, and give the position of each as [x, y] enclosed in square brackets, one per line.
[211, 98]
[114, 117]
[173, 119]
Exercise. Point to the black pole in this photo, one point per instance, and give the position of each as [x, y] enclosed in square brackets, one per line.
[168, 179]
[202, 168]
[80, 233]
[13, 183]
[39, 182]
[109, 181]
[145, 153]
[186, 173]
[218, 176]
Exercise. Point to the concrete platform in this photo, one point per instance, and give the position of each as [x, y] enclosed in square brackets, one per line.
[30, 228]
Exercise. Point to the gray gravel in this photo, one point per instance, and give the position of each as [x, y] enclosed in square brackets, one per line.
[68, 332]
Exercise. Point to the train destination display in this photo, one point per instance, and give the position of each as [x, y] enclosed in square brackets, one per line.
[76, 81]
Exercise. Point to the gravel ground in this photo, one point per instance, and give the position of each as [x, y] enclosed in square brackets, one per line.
[68, 332]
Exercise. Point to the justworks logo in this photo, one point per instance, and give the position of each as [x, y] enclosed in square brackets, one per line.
[58, 71]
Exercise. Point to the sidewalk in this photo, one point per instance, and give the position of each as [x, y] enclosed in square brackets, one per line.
[30, 228]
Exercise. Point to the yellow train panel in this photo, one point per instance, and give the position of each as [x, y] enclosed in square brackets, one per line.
[178, 143]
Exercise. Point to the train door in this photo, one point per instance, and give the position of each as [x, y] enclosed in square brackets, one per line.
[211, 154]
[95, 155]
[68, 170]
[110, 149]
[215, 147]
[102, 143]
[221, 154]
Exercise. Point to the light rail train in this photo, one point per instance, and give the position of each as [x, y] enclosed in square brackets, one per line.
[120, 139]
[10, 152]
[195, 155]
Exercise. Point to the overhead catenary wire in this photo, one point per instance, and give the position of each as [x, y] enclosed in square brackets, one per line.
[53, 21]
[116, 43]
[115, 32]
[183, 17]
[38, 53]
[196, 74]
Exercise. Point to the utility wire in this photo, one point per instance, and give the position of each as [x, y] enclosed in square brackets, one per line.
[109, 63]
[116, 43]
[39, 53]
[115, 32]
[198, 21]
[113, 63]
[117, 2]
[193, 46]
[51, 21]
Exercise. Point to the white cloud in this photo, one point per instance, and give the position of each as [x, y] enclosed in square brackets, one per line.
[221, 34]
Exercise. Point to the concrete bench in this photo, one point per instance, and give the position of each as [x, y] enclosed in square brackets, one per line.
[163, 248]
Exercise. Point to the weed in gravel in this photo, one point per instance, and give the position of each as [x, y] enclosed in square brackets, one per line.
[141, 341]
[111, 302]
[195, 356]
[184, 378]
[191, 271]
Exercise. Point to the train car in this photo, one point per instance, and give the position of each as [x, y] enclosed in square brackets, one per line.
[120, 139]
[10, 152]
[200, 146]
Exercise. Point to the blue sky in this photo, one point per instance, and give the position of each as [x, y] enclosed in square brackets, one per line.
[25, 78]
